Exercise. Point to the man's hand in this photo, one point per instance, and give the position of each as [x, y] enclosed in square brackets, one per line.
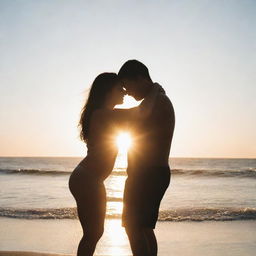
[159, 88]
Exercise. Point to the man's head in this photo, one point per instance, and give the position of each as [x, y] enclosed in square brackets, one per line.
[135, 78]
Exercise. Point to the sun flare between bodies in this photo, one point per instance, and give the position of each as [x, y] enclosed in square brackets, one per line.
[123, 141]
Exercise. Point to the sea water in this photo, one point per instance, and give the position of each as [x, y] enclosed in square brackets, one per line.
[200, 189]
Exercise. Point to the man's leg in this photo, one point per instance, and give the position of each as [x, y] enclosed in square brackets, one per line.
[151, 240]
[138, 241]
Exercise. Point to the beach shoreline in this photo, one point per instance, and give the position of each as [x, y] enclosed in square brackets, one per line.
[20, 237]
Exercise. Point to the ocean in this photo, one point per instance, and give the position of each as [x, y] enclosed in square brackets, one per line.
[201, 189]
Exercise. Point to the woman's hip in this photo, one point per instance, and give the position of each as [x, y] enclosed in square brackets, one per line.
[83, 184]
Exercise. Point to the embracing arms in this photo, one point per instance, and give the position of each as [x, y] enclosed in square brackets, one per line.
[142, 111]
[123, 116]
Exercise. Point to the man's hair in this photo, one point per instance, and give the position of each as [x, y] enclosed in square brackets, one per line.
[133, 69]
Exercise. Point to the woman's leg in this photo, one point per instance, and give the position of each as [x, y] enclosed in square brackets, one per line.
[91, 210]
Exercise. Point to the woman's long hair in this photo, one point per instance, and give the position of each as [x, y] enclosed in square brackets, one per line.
[101, 86]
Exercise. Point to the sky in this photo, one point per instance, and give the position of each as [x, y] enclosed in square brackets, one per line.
[202, 52]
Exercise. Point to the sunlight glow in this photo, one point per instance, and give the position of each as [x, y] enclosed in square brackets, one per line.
[124, 142]
[116, 239]
[129, 102]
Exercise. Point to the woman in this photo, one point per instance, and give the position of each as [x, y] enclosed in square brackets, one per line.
[99, 123]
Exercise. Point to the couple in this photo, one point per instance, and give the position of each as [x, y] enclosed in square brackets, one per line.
[151, 125]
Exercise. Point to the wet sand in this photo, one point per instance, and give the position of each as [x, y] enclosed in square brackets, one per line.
[21, 237]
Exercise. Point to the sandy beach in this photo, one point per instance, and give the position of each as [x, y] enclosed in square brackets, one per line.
[60, 237]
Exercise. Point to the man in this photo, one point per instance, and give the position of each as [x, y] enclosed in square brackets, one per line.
[148, 170]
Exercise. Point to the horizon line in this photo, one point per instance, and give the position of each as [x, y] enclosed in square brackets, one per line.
[213, 157]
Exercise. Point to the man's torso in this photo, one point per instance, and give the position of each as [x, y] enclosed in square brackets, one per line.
[152, 137]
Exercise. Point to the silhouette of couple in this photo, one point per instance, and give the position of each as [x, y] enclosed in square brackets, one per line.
[151, 125]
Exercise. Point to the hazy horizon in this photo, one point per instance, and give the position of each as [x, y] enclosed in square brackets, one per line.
[194, 157]
[202, 52]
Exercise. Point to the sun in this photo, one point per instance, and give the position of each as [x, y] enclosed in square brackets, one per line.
[123, 141]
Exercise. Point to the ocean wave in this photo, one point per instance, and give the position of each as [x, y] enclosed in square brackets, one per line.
[208, 214]
[185, 214]
[114, 199]
[246, 173]
[33, 172]
[48, 172]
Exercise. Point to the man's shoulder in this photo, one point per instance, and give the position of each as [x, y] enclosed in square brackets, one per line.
[164, 110]
[163, 101]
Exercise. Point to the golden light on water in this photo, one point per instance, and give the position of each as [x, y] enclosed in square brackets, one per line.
[115, 237]
[124, 142]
